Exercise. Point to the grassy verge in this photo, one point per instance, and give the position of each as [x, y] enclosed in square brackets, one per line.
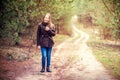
[59, 38]
[108, 55]
[107, 52]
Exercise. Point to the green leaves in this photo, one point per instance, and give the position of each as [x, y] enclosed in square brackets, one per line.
[105, 13]
[13, 19]
[17, 14]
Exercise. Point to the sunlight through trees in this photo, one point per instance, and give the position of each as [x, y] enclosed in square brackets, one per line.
[17, 15]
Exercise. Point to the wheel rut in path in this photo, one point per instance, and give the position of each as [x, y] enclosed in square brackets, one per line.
[73, 60]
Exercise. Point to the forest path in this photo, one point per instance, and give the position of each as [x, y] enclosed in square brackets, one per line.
[72, 60]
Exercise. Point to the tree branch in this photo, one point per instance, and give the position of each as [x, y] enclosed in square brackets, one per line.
[107, 7]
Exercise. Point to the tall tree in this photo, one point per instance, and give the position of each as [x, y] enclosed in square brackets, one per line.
[106, 14]
[16, 15]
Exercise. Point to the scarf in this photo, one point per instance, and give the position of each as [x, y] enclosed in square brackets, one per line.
[44, 23]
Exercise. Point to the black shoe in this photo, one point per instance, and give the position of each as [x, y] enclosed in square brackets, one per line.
[42, 70]
[48, 69]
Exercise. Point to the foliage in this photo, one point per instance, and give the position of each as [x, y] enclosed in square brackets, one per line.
[16, 15]
[13, 19]
[106, 14]
[19, 15]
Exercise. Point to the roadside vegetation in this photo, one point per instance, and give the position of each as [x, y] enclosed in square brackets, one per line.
[59, 38]
[101, 22]
[105, 51]
[19, 20]
[108, 53]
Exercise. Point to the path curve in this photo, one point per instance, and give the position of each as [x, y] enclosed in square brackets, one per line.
[73, 60]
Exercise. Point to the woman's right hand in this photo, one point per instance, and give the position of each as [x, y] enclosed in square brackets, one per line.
[47, 28]
[38, 47]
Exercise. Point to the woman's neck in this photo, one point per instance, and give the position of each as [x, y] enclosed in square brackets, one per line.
[44, 23]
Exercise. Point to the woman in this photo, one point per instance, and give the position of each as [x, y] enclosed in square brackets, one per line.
[45, 32]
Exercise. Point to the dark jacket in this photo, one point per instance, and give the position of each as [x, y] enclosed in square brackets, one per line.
[44, 38]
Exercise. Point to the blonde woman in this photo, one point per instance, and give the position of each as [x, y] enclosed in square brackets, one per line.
[45, 32]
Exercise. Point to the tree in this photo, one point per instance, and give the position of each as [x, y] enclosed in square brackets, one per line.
[17, 15]
[106, 14]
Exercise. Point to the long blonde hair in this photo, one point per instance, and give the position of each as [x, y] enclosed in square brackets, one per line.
[50, 24]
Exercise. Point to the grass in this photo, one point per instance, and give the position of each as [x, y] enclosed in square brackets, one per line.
[105, 51]
[59, 38]
[108, 56]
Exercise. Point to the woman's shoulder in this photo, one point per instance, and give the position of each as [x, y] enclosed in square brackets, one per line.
[39, 24]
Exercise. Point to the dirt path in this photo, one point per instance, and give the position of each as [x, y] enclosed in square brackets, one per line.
[73, 60]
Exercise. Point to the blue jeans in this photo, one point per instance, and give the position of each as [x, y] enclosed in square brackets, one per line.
[46, 56]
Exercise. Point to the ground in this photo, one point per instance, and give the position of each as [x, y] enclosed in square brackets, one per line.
[71, 60]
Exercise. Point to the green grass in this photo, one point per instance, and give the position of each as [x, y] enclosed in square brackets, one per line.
[105, 51]
[108, 56]
[59, 38]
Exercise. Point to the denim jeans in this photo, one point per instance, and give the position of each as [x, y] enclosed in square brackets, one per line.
[46, 56]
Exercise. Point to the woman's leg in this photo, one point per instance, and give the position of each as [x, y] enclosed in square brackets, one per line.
[49, 50]
[44, 55]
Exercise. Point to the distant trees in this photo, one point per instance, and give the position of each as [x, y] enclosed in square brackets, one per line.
[17, 15]
[105, 13]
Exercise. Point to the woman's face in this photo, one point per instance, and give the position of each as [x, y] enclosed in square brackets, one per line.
[47, 18]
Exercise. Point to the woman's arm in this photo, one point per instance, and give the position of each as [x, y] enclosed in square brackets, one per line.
[38, 35]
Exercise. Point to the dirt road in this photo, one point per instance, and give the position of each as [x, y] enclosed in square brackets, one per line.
[73, 60]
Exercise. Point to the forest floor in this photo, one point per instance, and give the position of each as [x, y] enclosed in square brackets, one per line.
[71, 60]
